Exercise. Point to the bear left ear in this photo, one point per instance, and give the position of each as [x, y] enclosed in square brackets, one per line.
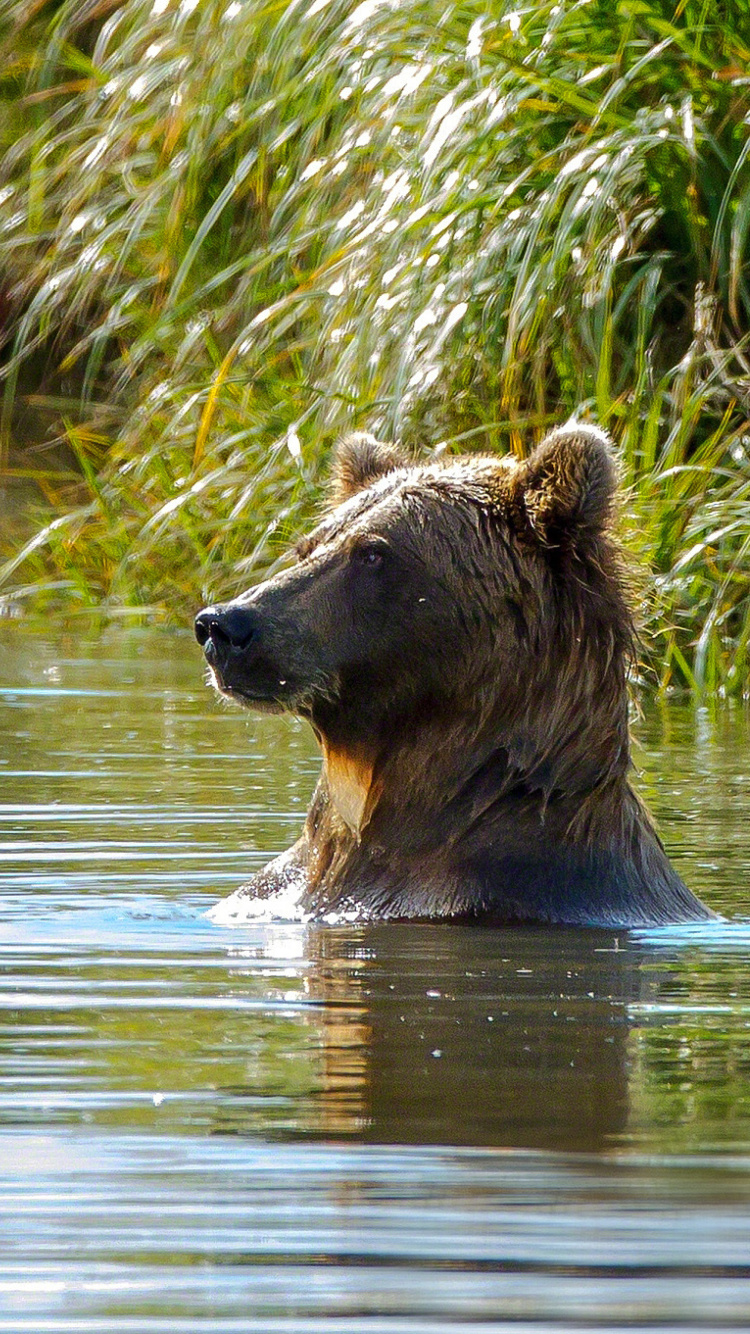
[359, 461]
[568, 484]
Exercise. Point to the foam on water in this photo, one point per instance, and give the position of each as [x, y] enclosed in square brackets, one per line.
[720, 936]
[243, 907]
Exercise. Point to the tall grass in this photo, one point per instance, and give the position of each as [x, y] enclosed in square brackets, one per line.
[232, 229]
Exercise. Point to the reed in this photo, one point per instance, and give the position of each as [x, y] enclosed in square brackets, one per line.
[230, 229]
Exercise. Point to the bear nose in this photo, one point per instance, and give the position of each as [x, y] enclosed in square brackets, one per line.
[231, 625]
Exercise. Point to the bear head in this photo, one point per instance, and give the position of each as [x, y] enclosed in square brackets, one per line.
[479, 596]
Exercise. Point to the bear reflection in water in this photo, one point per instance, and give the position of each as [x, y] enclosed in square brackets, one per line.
[443, 1034]
[458, 635]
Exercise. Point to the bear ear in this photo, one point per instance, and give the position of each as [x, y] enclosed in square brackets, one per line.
[359, 461]
[568, 484]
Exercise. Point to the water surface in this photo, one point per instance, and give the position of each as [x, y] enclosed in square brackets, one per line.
[354, 1128]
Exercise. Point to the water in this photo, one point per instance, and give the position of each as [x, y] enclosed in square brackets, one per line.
[353, 1130]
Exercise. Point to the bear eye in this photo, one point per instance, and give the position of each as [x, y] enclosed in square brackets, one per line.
[370, 555]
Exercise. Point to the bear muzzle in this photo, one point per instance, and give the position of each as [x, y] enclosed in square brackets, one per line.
[236, 649]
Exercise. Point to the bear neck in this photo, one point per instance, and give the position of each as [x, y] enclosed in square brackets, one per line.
[460, 817]
[436, 776]
[456, 783]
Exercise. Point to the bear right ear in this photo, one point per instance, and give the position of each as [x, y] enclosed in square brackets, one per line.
[568, 484]
[359, 461]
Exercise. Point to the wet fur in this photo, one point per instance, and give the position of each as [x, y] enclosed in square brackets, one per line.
[473, 715]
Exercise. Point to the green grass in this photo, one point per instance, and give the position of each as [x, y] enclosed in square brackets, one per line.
[230, 231]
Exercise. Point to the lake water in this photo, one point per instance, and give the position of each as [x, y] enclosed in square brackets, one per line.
[358, 1129]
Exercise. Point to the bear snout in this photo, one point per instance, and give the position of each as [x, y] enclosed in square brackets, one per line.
[223, 628]
[235, 642]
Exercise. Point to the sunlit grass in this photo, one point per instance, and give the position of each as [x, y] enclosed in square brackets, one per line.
[231, 230]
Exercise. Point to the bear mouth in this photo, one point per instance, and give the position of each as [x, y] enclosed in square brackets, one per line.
[262, 702]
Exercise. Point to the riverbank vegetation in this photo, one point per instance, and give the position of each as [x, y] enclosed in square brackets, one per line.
[231, 229]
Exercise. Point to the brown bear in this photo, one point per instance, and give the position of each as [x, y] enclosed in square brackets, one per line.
[458, 635]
